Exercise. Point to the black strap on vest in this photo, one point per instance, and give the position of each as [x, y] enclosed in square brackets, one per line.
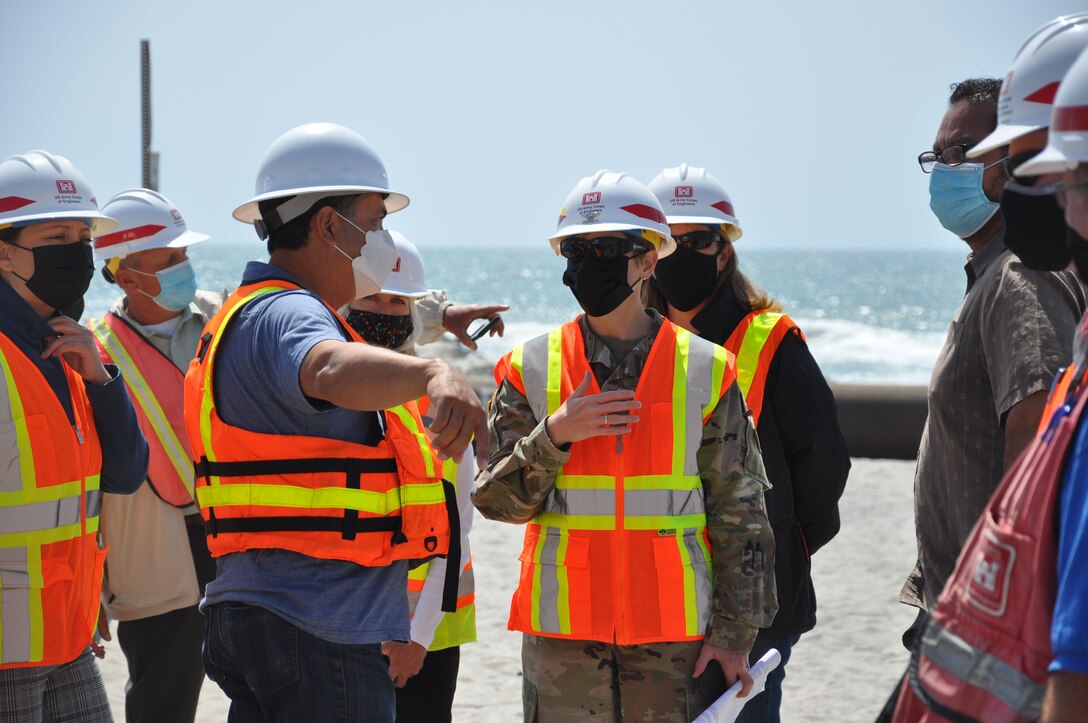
[453, 558]
[923, 695]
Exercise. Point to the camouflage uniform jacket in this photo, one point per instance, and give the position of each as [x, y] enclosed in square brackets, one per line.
[523, 461]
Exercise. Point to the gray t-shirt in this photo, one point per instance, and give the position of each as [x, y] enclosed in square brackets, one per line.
[257, 387]
[1011, 334]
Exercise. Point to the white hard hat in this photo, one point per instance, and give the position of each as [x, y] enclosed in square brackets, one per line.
[1068, 144]
[609, 201]
[315, 161]
[38, 186]
[691, 195]
[147, 220]
[1030, 86]
[406, 278]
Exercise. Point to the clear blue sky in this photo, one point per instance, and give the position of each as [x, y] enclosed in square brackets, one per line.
[487, 113]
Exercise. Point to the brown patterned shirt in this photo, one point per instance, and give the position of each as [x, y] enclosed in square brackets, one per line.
[1011, 334]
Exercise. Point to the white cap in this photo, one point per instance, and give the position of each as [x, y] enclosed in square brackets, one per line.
[315, 161]
[406, 278]
[147, 220]
[1029, 89]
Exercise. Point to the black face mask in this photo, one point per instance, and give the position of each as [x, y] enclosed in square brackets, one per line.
[686, 277]
[599, 285]
[1078, 250]
[384, 330]
[1035, 230]
[62, 274]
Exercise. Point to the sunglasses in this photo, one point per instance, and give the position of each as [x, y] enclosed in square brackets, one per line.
[697, 240]
[604, 248]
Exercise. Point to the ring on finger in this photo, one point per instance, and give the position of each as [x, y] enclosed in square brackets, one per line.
[606, 420]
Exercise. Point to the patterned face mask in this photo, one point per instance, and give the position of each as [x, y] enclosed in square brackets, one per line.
[383, 330]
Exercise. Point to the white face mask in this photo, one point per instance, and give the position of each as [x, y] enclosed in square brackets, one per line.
[374, 263]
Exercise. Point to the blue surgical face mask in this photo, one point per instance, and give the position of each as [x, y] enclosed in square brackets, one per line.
[957, 199]
[177, 286]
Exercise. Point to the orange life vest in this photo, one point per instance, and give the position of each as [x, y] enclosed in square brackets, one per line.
[620, 551]
[50, 564]
[754, 343]
[156, 388]
[457, 626]
[984, 651]
[321, 497]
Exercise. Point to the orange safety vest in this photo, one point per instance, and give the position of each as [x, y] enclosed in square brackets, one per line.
[754, 343]
[50, 564]
[156, 388]
[456, 627]
[321, 497]
[620, 551]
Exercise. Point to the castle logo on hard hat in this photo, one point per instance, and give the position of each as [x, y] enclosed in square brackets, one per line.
[67, 193]
[683, 192]
[176, 214]
[589, 198]
[396, 266]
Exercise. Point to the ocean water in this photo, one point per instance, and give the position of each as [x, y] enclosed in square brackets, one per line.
[870, 316]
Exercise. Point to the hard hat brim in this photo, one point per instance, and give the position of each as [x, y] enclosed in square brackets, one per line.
[412, 293]
[134, 247]
[1001, 136]
[100, 224]
[248, 212]
[1051, 160]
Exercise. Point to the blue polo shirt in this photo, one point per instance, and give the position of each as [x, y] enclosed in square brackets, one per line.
[124, 449]
[1069, 628]
[257, 388]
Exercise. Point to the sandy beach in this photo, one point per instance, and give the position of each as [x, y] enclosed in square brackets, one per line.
[840, 673]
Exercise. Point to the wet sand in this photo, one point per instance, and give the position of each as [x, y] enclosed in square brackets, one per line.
[840, 672]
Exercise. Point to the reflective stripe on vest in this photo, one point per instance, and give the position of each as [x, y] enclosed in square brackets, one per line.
[754, 343]
[975, 667]
[156, 387]
[317, 496]
[620, 551]
[459, 627]
[50, 565]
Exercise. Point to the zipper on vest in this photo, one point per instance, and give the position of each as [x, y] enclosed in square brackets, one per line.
[621, 568]
[79, 433]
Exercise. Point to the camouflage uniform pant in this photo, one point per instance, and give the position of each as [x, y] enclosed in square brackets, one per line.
[579, 680]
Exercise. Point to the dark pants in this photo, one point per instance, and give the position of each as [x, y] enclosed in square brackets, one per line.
[428, 695]
[764, 708]
[165, 671]
[273, 671]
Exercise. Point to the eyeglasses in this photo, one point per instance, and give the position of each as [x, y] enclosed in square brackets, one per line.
[604, 248]
[952, 155]
[1018, 159]
[697, 240]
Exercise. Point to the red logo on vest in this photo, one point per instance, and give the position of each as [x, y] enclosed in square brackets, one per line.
[66, 186]
[684, 192]
[989, 586]
[588, 198]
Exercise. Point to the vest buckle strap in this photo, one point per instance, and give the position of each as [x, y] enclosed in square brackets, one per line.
[205, 468]
[392, 523]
